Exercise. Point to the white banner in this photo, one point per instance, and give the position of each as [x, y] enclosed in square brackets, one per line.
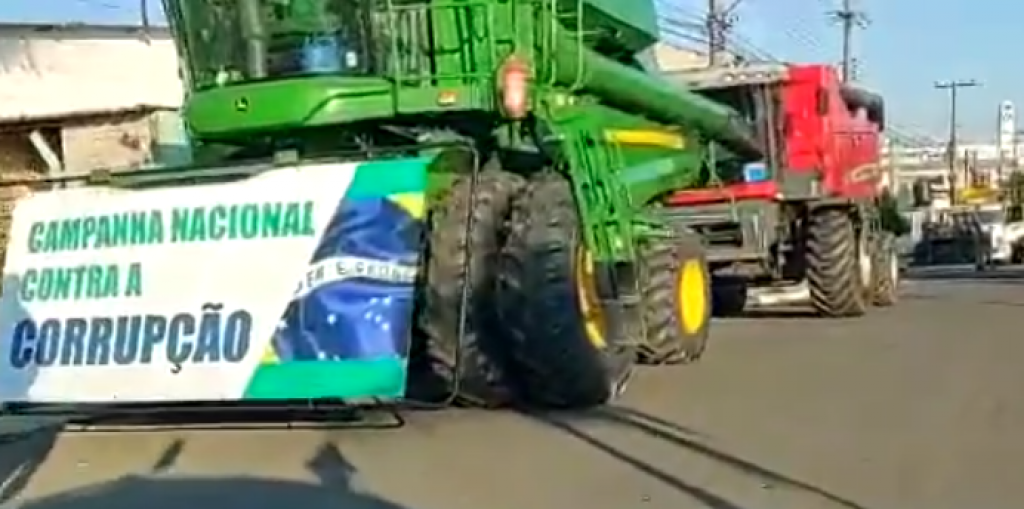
[190, 293]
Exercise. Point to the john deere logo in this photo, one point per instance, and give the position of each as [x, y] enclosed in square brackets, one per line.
[242, 104]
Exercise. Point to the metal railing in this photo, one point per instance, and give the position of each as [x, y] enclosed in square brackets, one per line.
[419, 44]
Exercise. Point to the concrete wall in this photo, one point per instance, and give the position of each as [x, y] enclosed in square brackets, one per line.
[18, 161]
[107, 141]
[100, 141]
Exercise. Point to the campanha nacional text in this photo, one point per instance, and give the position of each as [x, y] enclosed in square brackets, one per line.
[259, 220]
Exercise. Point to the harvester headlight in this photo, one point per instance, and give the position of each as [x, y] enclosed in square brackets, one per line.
[447, 98]
[513, 87]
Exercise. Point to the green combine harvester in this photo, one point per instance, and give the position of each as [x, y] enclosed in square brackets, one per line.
[500, 166]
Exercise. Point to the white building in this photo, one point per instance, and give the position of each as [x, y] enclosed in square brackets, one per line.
[75, 97]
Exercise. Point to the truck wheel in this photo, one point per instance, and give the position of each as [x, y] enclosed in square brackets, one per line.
[676, 292]
[553, 323]
[886, 274]
[478, 378]
[836, 271]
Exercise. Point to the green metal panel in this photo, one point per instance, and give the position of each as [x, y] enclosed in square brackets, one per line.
[452, 48]
[581, 68]
[635, 22]
[287, 104]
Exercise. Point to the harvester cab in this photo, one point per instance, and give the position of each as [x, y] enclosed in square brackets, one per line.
[255, 40]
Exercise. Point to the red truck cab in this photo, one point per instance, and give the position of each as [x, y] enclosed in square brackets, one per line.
[829, 137]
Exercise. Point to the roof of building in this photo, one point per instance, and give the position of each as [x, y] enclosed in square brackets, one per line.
[46, 78]
[79, 30]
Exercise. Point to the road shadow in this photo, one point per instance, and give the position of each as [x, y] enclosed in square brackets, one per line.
[17, 382]
[334, 489]
[773, 313]
[25, 442]
[686, 440]
[231, 415]
[961, 273]
[965, 299]
[21, 455]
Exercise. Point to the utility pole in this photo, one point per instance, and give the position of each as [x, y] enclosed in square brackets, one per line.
[849, 19]
[720, 21]
[144, 18]
[952, 87]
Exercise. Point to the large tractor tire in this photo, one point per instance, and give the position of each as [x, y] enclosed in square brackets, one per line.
[555, 329]
[442, 368]
[676, 293]
[837, 269]
[885, 272]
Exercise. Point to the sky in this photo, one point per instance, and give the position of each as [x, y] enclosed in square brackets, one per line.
[907, 47]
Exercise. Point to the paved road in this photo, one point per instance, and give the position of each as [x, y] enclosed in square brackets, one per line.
[916, 407]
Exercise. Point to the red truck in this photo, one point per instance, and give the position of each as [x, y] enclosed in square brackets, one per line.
[803, 224]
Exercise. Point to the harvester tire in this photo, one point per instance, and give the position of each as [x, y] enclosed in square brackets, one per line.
[559, 358]
[676, 292]
[886, 274]
[437, 372]
[834, 273]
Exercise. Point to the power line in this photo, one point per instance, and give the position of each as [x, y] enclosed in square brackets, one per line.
[110, 6]
[849, 19]
[720, 20]
[687, 29]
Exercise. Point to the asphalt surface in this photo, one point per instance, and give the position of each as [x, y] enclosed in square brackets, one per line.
[919, 406]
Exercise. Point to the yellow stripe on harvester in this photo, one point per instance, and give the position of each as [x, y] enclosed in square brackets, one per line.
[647, 137]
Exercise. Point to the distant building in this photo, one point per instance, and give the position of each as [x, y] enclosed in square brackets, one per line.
[1006, 128]
[76, 97]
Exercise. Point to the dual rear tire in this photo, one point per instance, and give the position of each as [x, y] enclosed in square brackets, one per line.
[444, 367]
[847, 269]
[533, 334]
[554, 326]
[568, 359]
[536, 333]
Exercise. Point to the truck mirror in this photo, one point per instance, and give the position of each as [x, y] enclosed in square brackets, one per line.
[877, 115]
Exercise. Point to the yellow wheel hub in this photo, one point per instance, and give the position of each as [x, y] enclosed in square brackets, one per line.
[590, 306]
[692, 296]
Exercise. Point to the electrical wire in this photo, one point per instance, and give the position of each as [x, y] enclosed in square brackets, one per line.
[685, 29]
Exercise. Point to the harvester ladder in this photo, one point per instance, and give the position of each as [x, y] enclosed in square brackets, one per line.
[560, 21]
